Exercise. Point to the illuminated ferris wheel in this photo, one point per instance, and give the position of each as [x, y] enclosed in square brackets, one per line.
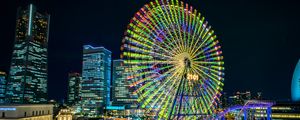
[174, 60]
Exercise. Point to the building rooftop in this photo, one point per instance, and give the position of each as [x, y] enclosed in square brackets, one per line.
[91, 47]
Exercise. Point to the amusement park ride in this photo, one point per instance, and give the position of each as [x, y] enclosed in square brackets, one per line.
[175, 63]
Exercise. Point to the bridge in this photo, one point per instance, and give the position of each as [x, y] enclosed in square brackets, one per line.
[249, 109]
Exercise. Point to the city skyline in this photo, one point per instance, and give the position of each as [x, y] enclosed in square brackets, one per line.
[262, 58]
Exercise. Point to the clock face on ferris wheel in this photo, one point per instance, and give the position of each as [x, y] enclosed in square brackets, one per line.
[174, 60]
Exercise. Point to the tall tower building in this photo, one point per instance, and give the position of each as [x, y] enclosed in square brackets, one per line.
[2, 86]
[28, 76]
[122, 94]
[74, 86]
[96, 77]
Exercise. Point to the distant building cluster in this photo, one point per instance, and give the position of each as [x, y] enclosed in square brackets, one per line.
[92, 93]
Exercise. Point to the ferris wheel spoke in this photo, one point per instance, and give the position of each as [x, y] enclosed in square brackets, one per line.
[189, 17]
[168, 23]
[159, 26]
[147, 62]
[169, 12]
[140, 74]
[151, 34]
[218, 72]
[138, 50]
[174, 16]
[203, 92]
[181, 22]
[146, 36]
[166, 90]
[150, 43]
[147, 85]
[209, 48]
[183, 25]
[195, 38]
[156, 91]
[212, 85]
[212, 76]
[200, 89]
[198, 37]
[194, 29]
[215, 54]
[209, 62]
[206, 40]
[172, 90]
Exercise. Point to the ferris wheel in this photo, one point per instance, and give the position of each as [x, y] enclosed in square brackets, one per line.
[174, 60]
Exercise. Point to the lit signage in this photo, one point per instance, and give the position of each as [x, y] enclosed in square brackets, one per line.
[8, 109]
[192, 77]
[115, 107]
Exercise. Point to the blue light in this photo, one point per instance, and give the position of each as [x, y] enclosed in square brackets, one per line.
[296, 84]
[8, 109]
[115, 107]
[30, 19]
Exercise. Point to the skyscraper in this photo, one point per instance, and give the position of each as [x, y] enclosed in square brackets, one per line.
[28, 76]
[2, 86]
[73, 88]
[296, 84]
[122, 94]
[96, 77]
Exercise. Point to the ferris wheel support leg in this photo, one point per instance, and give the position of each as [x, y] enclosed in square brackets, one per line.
[181, 96]
[175, 99]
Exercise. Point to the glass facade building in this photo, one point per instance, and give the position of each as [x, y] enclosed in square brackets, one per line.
[2, 86]
[74, 86]
[296, 84]
[96, 77]
[122, 93]
[27, 82]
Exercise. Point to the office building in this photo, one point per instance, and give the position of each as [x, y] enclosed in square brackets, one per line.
[26, 112]
[2, 86]
[96, 77]
[73, 96]
[122, 94]
[27, 82]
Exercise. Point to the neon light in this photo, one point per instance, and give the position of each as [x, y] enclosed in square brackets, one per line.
[30, 19]
[193, 76]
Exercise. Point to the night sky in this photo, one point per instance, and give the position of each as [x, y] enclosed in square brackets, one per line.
[259, 38]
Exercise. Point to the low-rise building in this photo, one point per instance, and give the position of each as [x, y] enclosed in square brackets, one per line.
[26, 112]
[64, 114]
